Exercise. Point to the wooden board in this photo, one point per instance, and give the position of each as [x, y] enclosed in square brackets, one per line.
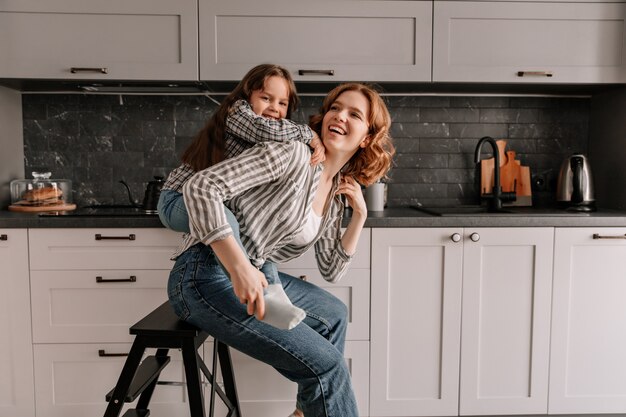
[513, 176]
[38, 209]
[486, 168]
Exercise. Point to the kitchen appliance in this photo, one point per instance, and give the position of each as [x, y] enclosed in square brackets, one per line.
[151, 195]
[41, 194]
[575, 184]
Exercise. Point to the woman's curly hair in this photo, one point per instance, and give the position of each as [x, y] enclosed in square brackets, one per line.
[371, 163]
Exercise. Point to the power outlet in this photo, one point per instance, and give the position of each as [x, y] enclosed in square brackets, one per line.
[543, 181]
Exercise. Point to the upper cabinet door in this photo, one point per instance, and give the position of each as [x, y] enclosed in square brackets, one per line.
[529, 42]
[317, 41]
[116, 40]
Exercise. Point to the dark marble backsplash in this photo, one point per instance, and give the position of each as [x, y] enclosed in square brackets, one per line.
[97, 140]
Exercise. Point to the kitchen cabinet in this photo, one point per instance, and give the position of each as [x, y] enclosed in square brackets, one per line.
[91, 40]
[527, 42]
[425, 282]
[416, 319]
[276, 395]
[317, 41]
[505, 336]
[16, 351]
[88, 287]
[587, 365]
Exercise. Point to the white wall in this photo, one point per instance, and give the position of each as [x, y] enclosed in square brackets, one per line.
[11, 142]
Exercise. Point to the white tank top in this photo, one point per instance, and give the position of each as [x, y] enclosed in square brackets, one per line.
[309, 231]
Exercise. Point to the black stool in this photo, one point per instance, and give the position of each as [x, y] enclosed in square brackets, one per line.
[163, 330]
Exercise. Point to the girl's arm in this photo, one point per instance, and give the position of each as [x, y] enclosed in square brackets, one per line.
[246, 125]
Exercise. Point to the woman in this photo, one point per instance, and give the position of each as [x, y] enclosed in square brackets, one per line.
[284, 206]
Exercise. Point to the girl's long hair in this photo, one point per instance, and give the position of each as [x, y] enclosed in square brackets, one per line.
[371, 163]
[208, 147]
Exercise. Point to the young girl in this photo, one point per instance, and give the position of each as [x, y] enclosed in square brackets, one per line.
[254, 112]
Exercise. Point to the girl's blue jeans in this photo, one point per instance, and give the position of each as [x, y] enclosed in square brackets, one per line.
[310, 354]
[173, 214]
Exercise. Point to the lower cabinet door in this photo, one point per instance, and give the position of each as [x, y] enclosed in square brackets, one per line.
[16, 355]
[587, 362]
[263, 392]
[72, 380]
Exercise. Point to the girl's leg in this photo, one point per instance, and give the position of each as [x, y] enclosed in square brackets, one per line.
[202, 294]
[172, 211]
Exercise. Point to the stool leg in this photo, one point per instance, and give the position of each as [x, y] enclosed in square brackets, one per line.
[192, 373]
[126, 377]
[228, 375]
[146, 395]
[213, 381]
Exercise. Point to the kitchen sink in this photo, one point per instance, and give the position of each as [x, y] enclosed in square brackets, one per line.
[463, 211]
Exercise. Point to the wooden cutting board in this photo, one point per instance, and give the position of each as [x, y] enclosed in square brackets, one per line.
[513, 176]
[38, 209]
[486, 168]
[510, 173]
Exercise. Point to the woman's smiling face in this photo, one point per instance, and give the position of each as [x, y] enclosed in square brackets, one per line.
[345, 126]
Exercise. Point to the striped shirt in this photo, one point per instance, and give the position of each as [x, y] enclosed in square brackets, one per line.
[244, 129]
[269, 189]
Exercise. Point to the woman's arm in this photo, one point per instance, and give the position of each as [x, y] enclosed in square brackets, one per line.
[246, 125]
[248, 282]
[334, 251]
[204, 196]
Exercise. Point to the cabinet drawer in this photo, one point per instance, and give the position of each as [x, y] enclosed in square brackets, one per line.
[311, 39]
[102, 248]
[71, 380]
[494, 41]
[276, 396]
[361, 258]
[138, 40]
[72, 307]
[353, 289]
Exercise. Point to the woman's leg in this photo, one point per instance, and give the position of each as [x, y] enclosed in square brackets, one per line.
[202, 294]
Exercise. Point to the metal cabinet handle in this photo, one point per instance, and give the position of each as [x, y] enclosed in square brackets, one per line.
[475, 237]
[74, 70]
[316, 72]
[129, 237]
[534, 73]
[103, 354]
[132, 278]
[455, 237]
[4, 237]
[598, 236]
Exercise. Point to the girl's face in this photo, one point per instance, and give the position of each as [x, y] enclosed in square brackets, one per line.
[272, 100]
[345, 125]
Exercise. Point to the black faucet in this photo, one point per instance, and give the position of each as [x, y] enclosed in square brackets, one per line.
[497, 196]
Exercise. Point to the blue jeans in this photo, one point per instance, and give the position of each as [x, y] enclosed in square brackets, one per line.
[173, 214]
[310, 354]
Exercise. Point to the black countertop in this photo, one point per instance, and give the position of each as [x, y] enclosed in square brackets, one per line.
[392, 217]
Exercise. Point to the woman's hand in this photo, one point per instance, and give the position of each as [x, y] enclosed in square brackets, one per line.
[354, 195]
[352, 190]
[319, 151]
[248, 282]
[248, 286]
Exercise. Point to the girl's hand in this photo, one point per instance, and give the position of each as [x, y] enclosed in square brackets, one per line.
[319, 151]
[248, 287]
[354, 195]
